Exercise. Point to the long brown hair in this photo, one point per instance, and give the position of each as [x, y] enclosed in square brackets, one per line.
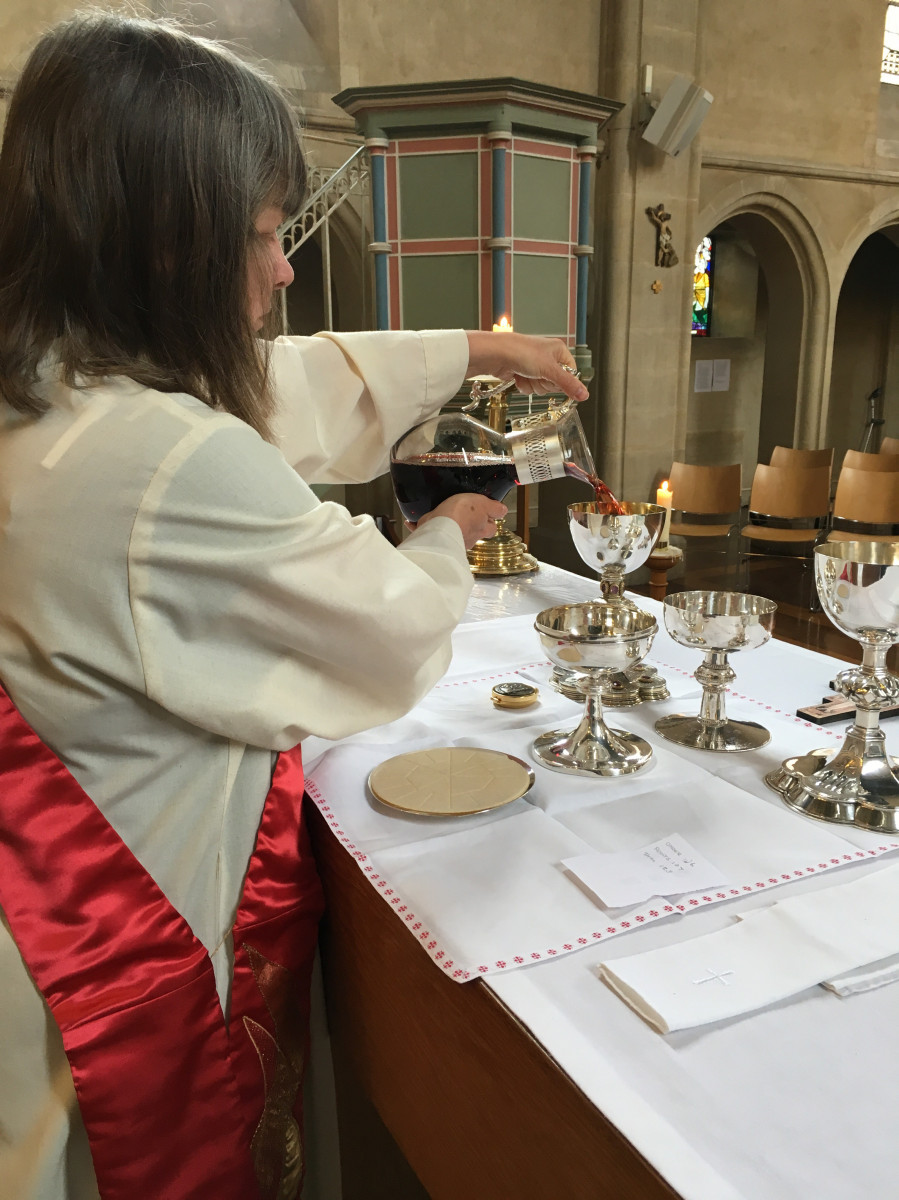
[134, 162]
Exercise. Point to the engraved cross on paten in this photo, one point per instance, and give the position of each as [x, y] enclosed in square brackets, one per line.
[719, 975]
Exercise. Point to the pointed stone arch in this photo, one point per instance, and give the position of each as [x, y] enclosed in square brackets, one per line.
[865, 372]
[883, 214]
[792, 215]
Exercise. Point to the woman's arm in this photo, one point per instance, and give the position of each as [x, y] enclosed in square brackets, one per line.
[264, 616]
[345, 398]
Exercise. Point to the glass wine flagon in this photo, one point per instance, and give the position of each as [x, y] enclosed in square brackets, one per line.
[423, 483]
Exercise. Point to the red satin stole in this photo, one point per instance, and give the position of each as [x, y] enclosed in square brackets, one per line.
[177, 1103]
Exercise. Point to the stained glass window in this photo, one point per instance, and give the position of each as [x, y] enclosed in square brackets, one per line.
[702, 287]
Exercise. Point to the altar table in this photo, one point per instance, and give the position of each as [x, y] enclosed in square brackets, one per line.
[540, 1083]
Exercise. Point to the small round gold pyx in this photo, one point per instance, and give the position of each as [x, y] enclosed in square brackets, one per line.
[514, 695]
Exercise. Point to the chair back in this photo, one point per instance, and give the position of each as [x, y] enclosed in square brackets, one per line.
[867, 496]
[706, 489]
[789, 456]
[791, 493]
[889, 445]
[859, 460]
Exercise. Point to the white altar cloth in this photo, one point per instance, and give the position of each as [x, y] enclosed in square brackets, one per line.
[793, 1100]
[488, 893]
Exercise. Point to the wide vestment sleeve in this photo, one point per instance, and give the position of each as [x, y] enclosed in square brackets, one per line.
[263, 615]
[345, 398]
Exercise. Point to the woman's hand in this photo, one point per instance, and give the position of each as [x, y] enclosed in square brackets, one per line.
[537, 364]
[475, 515]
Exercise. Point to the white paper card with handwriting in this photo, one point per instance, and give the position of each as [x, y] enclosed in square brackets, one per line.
[668, 867]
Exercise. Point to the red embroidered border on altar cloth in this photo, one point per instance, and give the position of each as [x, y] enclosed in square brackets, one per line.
[175, 1103]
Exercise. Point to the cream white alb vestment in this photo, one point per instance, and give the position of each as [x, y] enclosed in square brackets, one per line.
[175, 606]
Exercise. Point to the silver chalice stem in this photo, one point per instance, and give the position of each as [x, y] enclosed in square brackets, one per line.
[719, 623]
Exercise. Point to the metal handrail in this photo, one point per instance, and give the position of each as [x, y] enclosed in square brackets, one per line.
[353, 176]
[354, 173]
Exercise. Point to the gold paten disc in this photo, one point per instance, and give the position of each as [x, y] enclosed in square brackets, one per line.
[453, 781]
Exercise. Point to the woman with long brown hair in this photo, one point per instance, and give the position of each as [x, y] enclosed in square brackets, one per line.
[178, 611]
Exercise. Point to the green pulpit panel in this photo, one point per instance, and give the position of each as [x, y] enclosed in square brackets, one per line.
[439, 291]
[541, 294]
[438, 196]
[541, 198]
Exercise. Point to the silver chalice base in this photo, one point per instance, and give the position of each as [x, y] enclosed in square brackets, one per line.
[614, 544]
[717, 623]
[858, 583]
[855, 786]
[726, 736]
[595, 640]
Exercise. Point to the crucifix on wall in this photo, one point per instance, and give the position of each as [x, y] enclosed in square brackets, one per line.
[665, 255]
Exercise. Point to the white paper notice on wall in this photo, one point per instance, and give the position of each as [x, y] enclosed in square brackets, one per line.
[720, 374]
[667, 867]
[702, 377]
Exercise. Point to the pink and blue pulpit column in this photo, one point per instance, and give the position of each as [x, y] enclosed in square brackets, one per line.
[500, 243]
[380, 247]
[586, 156]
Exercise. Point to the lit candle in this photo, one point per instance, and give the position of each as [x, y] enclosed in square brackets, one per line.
[664, 497]
[504, 326]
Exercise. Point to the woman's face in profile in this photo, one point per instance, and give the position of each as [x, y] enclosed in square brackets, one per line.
[269, 269]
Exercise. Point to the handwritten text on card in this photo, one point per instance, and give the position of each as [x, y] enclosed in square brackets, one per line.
[668, 867]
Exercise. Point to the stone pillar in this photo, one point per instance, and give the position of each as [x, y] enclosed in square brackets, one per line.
[643, 336]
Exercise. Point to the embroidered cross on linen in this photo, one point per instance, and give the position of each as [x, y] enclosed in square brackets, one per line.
[719, 975]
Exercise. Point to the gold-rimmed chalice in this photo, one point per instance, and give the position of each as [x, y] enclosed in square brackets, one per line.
[718, 624]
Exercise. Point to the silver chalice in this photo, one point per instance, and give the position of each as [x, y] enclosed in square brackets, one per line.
[614, 544]
[594, 640]
[858, 584]
[717, 623]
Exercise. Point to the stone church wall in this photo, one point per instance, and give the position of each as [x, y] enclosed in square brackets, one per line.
[802, 139]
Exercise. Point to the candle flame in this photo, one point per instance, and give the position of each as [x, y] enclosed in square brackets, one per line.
[664, 485]
[503, 326]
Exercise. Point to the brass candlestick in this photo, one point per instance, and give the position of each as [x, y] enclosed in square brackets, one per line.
[504, 553]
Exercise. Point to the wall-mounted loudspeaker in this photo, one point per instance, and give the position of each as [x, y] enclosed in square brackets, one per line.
[677, 119]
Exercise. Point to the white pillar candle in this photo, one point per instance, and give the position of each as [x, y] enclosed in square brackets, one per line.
[664, 497]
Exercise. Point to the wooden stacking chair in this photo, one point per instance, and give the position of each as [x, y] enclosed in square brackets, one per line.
[707, 493]
[789, 509]
[707, 507]
[859, 460]
[866, 506]
[889, 445]
[789, 456]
